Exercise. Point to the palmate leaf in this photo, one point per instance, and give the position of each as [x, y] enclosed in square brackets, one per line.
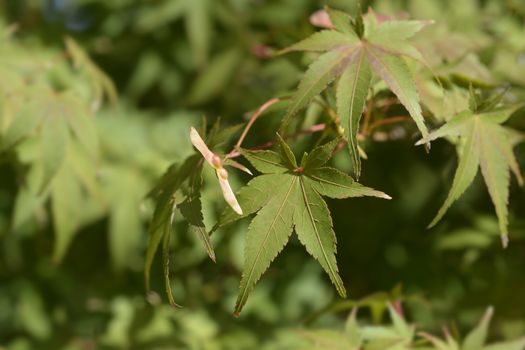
[287, 197]
[352, 56]
[484, 144]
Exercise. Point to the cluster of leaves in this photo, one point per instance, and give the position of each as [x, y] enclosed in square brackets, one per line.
[288, 195]
[353, 49]
[48, 123]
[401, 335]
[99, 185]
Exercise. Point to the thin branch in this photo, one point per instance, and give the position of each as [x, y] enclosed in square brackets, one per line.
[367, 115]
[313, 129]
[252, 120]
[386, 121]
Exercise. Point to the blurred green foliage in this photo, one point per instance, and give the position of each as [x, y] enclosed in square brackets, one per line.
[73, 213]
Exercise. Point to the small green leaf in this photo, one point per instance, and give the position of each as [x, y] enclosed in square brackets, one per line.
[320, 73]
[396, 74]
[54, 142]
[82, 124]
[214, 77]
[267, 235]
[286, 154]
[198, 29]
[191, 209]
[477, 337]
[508, 345]
[314, 228]
[352, 91]
[267, 162]
[164, 194]
[166, 264]
[341, 21]
[66, 200]
[24, 123]
[495, 170]
[333, 183]
[320, 155]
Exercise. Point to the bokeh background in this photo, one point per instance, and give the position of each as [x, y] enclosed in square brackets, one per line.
[173, 61]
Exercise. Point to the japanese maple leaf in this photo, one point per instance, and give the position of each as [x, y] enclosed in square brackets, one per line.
[288, 197]
[351, 51]
[483, 144]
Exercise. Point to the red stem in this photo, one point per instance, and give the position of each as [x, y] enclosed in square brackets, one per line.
[252, 120]
[266, 145]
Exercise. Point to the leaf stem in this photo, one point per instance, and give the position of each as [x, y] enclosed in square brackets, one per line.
[367, 116]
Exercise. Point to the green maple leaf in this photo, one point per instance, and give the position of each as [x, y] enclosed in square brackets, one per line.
[288, 197]
[483, 143]
[351, 52]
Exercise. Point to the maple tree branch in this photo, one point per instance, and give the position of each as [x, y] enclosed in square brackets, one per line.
[313, 129]
[392, 120]
[252, 120]
[367, 115]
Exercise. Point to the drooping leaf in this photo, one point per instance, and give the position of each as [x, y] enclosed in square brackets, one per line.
[166, 264]
[352, 90]
[396, 74]
[191, 209]
[164, 194]
[314, 228]
[465, 174]
[266, 237]
[66, 200]
[484, 144]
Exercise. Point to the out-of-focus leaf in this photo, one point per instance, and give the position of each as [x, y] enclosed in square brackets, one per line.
[486, 146]
[215, 77]
[477, 337]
